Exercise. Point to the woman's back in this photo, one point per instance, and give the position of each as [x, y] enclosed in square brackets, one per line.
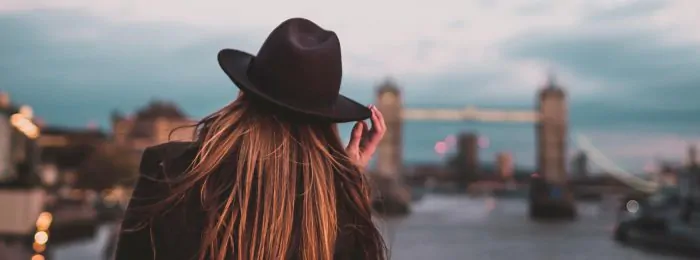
[176, 234]
[267, 177]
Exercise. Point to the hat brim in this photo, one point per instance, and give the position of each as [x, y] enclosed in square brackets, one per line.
[235, 64]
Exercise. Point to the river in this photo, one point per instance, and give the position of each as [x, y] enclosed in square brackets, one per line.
[444, 227]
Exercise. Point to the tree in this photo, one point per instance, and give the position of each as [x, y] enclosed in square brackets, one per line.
[110, 165]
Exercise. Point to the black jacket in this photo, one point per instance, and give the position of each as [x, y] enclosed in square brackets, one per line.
[177, 233]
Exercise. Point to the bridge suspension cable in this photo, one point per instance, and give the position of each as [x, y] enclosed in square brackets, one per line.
[614, 170]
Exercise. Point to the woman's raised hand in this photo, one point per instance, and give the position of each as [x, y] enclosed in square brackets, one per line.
[364, 140]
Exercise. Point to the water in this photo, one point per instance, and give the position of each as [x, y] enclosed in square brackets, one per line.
[462, 228]
[458, 228]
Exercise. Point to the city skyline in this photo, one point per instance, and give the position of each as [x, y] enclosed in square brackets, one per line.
[629, 66]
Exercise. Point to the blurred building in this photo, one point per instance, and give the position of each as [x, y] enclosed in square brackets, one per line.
[19, 155]
[466, 160]
[64, 150]
[668, 174]
[60, 137]
[685, 175]
[692, 156]
[579, 165]
[6, 134]
[156, 123]
[689, 184]
[468, 145]
[505, 165]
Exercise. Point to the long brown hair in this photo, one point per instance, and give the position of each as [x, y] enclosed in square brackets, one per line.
[291, 188]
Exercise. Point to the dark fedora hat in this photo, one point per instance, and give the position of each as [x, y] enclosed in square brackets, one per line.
[298, 69]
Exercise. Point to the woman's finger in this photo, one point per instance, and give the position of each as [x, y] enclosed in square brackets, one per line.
[356, 136]
[380, 118]
[375, 120]
[365, 134]
[374, 137]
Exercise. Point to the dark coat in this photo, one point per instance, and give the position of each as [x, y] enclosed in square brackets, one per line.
[177, 233]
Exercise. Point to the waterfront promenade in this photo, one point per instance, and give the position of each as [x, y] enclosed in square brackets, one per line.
[455, 228]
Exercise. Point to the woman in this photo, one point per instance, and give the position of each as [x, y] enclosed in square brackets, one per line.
[267, 177]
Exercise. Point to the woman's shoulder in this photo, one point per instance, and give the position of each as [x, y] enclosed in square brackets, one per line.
[160, 164]
[155, 158]
[169, 150]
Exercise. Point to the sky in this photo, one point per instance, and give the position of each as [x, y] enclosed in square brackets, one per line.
[630, 67]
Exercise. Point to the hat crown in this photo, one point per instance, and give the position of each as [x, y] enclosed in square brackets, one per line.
[298, 71]
[299, 63]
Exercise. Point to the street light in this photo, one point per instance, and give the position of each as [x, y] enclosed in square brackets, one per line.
[441, 148]
[25, 125]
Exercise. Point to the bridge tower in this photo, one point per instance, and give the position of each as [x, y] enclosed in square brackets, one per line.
[550, 195]
[389, 151]
[551, 133]
[393, 197]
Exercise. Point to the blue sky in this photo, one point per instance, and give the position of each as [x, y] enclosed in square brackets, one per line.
[626, 64]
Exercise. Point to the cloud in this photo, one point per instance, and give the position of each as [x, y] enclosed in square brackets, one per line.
[628, 52]
[66, 55]
[618, 10]
[117, 66]
[636, 64]
[382, 32]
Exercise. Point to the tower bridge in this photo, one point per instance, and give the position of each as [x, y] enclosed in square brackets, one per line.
[549, 118]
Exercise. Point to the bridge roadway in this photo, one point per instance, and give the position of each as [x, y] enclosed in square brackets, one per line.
[456, 228]
[470, 114]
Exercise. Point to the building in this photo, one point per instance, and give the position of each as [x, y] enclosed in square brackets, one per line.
[689, 178]
[64, 150]
[504, 161]
[6, 134]
[552, 133]
[579, 165]
[156, 123]
[21, 197]
[468, 147]
[465, 162]
[668, 174]
[19, 155]
[692, 156]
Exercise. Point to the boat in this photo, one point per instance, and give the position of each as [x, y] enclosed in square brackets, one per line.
[671, 216]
